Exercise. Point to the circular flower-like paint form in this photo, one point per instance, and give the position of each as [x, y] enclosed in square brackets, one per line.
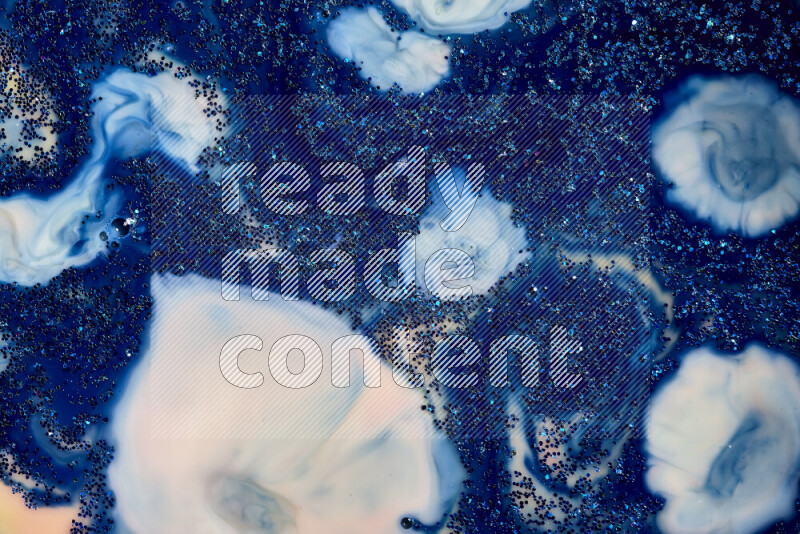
[731, 148]
[412, 60]
[724, 442]
[489, 237]
[460, 16]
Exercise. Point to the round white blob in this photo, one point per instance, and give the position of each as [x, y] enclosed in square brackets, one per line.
[489, 237]
[723, 441]
[413, 61]
[197, 455]
[460, 16]
[731, 147]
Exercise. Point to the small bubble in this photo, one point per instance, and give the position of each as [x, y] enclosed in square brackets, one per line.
[121, 226]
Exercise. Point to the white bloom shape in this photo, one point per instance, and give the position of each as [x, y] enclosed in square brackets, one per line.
[489, 237]
[724, 442]
[460, 16]
[732, 150]
[413, 61]
[197, 454]
[40, 237]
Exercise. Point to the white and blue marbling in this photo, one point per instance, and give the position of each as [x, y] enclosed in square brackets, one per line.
[723, 440]
[196, 454]
[41, 237]
[731, 148]
[531, 461]
[460, 16]
[413, 61]
[489, 237]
